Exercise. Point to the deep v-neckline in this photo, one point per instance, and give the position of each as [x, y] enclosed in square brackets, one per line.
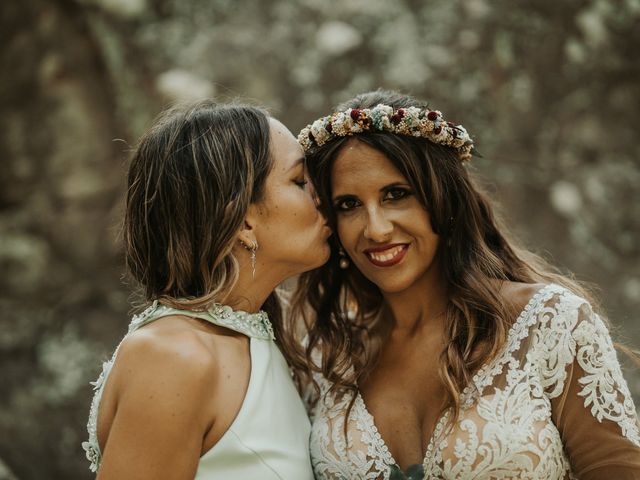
[481, 379]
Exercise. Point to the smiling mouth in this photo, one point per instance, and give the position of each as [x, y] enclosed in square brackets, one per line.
[388, 257]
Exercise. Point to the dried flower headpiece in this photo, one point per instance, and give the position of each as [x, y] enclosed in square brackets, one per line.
[411, 121]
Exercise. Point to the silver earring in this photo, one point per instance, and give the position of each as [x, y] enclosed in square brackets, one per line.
[252, 249]
[344, 261]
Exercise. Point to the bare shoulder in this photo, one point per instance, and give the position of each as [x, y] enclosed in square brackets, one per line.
[518, 295]
[159, 403]
[167, 353]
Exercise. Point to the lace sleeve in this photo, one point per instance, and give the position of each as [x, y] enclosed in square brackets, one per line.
[592, 407]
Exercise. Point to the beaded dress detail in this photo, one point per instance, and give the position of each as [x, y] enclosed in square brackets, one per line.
[553, 405]
[253, 325]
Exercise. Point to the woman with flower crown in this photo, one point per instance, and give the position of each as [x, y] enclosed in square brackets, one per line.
[217, 215]
[432, 338]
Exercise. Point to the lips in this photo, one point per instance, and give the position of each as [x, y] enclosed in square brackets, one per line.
[387, 255]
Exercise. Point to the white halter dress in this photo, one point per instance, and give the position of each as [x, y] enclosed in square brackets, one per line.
[269, 438]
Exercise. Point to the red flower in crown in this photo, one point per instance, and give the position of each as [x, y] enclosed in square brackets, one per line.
[361, 118]
[397, 117]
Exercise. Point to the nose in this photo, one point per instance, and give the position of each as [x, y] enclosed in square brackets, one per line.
[378, 228]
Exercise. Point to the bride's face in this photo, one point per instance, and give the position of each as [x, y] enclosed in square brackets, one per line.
[381, 224]
[291, 233]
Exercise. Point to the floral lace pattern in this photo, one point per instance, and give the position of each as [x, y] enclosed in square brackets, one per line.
[505, 428]
[362, 456]
[256, 325]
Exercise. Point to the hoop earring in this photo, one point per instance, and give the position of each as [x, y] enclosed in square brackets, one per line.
[344, 260]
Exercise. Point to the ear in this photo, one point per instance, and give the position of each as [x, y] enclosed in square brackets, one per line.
[247, 234]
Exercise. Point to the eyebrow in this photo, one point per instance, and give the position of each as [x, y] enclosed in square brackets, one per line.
[296, 164]
[386, 187]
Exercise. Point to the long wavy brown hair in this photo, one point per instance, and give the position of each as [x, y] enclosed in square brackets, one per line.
[344, 312]
[191, 180]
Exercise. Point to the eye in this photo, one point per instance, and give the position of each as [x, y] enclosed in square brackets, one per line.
[301, 182]
[346, 204]
[397, 193]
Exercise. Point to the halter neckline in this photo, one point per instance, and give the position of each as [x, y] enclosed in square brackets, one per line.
[256, 325]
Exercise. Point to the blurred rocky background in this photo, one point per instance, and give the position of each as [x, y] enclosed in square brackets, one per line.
[549, 89]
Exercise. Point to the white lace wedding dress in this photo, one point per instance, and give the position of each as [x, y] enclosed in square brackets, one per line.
[552, 405]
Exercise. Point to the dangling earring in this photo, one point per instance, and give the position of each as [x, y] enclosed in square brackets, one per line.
[344, 261]
[252, 249]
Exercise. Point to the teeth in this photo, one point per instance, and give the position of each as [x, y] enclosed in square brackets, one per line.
[388, 255]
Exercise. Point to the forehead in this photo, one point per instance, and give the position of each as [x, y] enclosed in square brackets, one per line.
[285, 149]
[359, 166]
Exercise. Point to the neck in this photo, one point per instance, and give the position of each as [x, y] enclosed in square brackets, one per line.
[421, 305]
[250, 292]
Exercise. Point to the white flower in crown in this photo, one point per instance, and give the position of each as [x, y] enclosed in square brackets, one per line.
[304, 140]
[342, 124]
[319, 132]
[462, 133]
[380, 117]
[412, 116]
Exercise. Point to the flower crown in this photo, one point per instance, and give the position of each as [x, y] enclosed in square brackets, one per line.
[411, 121]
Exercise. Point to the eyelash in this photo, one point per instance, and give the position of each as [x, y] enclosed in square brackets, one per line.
[401, 193]
[340, 206]
[301, 183]
[404, 192]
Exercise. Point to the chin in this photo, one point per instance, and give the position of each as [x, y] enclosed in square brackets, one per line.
[387, 285]
[390, 288]
[324, 253]
[326, 250]
[320, 257]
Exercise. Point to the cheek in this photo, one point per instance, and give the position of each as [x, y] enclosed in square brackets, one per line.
[297, 206]
[424, 232]
[307, 205]
[347, 232]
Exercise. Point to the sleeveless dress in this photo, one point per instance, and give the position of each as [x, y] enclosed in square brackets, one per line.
[269, 438]
[553, 405]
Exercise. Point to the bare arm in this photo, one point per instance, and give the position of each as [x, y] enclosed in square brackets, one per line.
[163, 387]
